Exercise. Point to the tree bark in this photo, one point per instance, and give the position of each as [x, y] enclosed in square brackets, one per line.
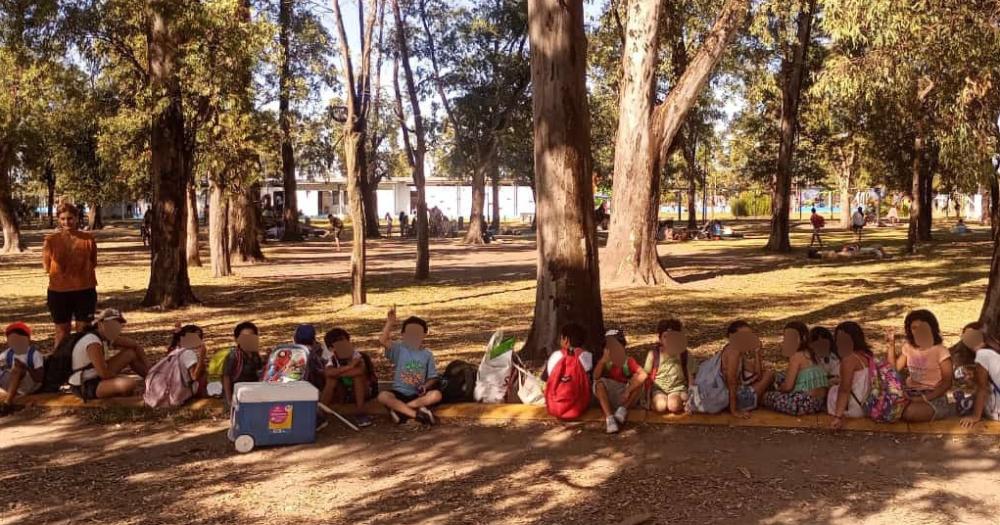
[568, 280]
[356, 88]
[474, 234]
[916, 191]
[646, 133]
[691, 167]
[244, 223]
[193, 246]
[95, 217]
[793, 73]
[290, 209]
[369, 199]
[169, 285]
[218, 229]
[417, 149]
[495, 178]
[990, 314]
[50, 186]
[927, 194]
[12, 241]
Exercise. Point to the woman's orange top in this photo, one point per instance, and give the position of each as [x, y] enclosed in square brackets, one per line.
[70, 259]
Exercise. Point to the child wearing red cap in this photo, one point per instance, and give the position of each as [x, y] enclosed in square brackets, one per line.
[21, 364]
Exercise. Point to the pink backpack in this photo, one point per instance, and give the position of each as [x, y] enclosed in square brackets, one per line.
[887, 399]
[567, 391]
[168, 383]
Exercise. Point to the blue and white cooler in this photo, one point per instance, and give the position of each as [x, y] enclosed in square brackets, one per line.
[273, 414]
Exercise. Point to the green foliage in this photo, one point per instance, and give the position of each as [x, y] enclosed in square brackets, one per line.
[750, 204]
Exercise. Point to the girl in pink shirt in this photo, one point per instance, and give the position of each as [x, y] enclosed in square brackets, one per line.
[929, 365]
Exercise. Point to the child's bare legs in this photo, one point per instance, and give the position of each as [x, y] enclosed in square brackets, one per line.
[329, 394]
[633, 393]
[360, 392]
[121, 386]
[390, 401]
[762, 384]
[660, 402]
[16, 375]
[918, 411]
[429, 399]
[601, 393]
[675, 402]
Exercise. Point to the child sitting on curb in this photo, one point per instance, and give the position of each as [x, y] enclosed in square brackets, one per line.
[618, 381]
[415, 380]
[670, 367]
[21, 364]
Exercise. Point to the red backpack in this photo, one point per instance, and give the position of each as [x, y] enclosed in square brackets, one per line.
[567, 391]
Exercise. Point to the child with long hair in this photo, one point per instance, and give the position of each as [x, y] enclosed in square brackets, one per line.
[824, 349]
[847, 398]
[669, 367]
[929, 365]
[802, 388]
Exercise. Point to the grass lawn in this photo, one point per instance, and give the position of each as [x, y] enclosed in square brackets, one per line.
[473, 291]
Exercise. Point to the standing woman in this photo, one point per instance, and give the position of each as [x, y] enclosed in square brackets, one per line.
[69, 257]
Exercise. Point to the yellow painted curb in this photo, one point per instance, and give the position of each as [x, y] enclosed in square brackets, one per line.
[513, 412]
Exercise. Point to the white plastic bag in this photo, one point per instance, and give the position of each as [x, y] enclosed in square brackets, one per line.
[495, 371]
[530, 388]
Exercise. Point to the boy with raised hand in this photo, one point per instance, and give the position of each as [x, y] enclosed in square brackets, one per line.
[21, 364]
[415, 379]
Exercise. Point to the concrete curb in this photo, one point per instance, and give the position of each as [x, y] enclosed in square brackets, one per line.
[506, 413]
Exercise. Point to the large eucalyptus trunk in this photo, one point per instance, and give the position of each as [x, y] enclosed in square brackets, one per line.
[916, 191]
[290, 208]
[793, 71]
[50, 194]
[691, 170]
[495, 178]
[245, 223]
[169, 285]
[218, 229]
[193, 246]
[646, 133]
[990, 314]
[95, 216]
[353, 148]
[369, 199]
[568, 280]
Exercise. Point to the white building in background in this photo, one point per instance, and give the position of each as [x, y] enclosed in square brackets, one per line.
[317, 199]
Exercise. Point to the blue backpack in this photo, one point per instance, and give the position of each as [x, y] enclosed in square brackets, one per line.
[9, 362]
[709, 393]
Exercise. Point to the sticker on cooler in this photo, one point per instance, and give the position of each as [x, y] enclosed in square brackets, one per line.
[279, 419]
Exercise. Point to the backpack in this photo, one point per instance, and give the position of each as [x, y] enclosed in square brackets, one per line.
[59, 365]
[9, 362]
[285, 364]
[709, 393]
[216, 365]
[567, 391]
[458, 383]
[168, 383]
[887, 399]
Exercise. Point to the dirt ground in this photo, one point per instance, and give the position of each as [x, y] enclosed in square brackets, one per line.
[72, 471]
[59, 469]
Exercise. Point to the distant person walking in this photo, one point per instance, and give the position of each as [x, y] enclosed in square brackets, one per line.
[69, 257]
[818, 222]
[336, 227]
[403, 223]
[858, 224]
[388, 222]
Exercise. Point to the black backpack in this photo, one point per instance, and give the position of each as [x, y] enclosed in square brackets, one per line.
[59, 365]
[458, 382]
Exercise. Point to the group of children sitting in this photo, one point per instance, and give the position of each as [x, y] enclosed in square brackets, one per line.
[825, 370]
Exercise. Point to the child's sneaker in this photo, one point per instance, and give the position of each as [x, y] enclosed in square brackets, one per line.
[397, 418]
[428, 415]
[612, 425]
[321, 423]
[363, 420]
[621, 415]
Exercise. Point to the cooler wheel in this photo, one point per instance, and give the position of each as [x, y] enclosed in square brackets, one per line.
[244, 444]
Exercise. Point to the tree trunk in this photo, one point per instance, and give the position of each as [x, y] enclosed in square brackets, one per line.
[193, 246]
[416, 151]
[645, 135]
[353, 148]
[485, 160]
[691, 167]
[12, 241]
[244, 224]
[990, 314]
[218, 229]
[916, 191]
[369, 199]
[94, 217]
[290, 209]
[568, 281]
[793, 71]
[495, 177]
[169, 285]
[50, 186]
[927, 195]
